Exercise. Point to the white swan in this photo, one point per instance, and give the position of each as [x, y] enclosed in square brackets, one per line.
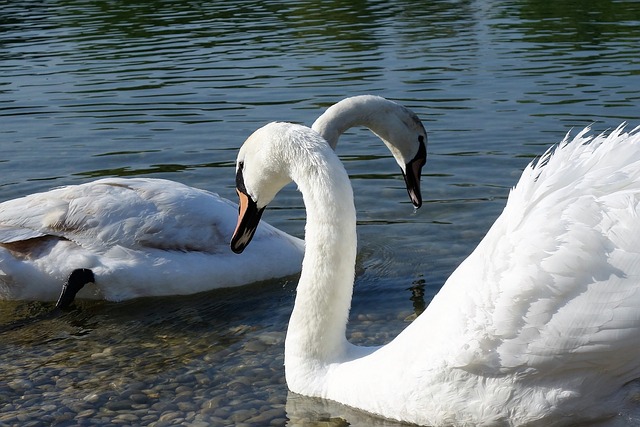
[539, 325]
[149, 237]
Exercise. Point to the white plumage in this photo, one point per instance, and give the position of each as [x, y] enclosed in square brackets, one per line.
[149, 237]
[540, 325]
[140, 237]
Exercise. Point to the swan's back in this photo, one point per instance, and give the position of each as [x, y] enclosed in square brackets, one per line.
[139, 236]
[542, 320]
[550, 298]
[569, 241]
[570, 286]
[134, 213]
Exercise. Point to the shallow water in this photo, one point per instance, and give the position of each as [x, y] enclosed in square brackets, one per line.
[171, 89]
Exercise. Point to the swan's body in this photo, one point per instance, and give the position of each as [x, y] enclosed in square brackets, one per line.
[540, 325]
[151, 237]
[140, 237]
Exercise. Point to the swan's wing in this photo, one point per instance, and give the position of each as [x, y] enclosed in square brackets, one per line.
[559, 271]
[134, 213]
[10, 234]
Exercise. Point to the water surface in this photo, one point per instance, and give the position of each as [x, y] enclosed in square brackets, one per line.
[171, 89]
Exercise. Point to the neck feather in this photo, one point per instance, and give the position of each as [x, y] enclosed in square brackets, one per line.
[351, 112]
[316, 333]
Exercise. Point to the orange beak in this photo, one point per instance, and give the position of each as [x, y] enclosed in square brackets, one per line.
[248, 219]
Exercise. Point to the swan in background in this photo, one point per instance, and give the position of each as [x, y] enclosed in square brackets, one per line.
[131, 237]
[540, 325]
[137, 237]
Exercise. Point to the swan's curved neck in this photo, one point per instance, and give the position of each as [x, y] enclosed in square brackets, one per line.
[316, 332]
[357, 111]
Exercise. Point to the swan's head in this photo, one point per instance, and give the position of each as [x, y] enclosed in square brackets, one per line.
[263, 168]
[397, 126]
[403, 133]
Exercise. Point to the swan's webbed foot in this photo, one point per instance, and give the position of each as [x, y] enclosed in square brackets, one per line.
[76, 281]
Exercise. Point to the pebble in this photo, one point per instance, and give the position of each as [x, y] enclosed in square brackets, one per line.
[255, 346]
[264, 417]
[104, 353]
[87, 413]
[139, 398]
[183, 397]
[91, 398]
[187, 406]
[6, 418]
[164, 406]
[125, 372]
[20, 384]
[118, 405]
[213, 402]
[241, 415]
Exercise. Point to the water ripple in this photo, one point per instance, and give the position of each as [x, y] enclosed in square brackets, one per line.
[94, 88]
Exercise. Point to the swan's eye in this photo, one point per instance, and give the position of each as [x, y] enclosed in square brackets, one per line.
[421, 155]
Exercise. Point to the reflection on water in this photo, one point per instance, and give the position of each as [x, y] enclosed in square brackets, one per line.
[308, 411]
[93, 88]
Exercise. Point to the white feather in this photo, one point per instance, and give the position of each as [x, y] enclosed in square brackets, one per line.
[540, 325]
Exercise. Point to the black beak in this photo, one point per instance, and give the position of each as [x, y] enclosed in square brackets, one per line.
[412, 176]
[248, 217]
